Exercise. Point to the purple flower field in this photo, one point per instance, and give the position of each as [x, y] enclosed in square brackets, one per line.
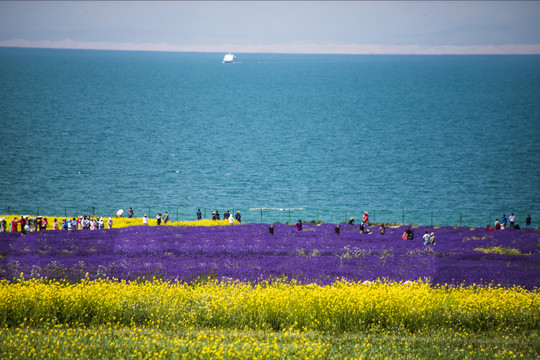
[249, 253]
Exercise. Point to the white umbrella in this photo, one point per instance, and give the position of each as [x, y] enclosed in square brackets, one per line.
[120, 212]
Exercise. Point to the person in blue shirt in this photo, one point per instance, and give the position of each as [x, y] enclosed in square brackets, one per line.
[503, 221]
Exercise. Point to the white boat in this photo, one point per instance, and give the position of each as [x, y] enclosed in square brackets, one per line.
[229, 58]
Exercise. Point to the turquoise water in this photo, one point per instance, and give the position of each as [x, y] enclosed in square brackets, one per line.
[426, 137]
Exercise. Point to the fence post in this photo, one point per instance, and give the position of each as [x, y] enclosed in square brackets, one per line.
[261, 215]
[460, 219]
[65, 211]
[9, 210]
[317, 215]
[177, 214]
[432, 218]
[373, 215]
[346, 216]
[205, 213]
[402, 217]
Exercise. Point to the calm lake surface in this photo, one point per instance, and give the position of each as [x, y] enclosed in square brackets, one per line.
[420, 138]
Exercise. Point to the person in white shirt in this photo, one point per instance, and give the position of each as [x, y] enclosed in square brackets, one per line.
[426, 238]
[511, 219]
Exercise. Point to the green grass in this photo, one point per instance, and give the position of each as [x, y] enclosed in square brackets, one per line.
[143, 343]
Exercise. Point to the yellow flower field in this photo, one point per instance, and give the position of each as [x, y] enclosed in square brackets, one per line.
[209, 320]
[341, 307]
[122, 222]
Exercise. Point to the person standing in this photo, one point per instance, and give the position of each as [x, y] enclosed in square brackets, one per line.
[503, 222]
[13, 225]
[3, 224]
[237, 217]
[145, 220]
[512, 219]
[109, 222]
[130, 213]
[55, 225]
[299, 225]
[231, 219]
[365, 218]
[158, 217]
[22, 222]
[528, 221]
[165, 218]
[199, 214]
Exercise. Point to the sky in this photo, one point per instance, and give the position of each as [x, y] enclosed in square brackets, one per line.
[343, 27]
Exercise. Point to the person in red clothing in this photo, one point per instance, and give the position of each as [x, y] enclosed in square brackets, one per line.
[14, 223]
[489, 228]
[404, 236]
[23, 222]
[365, 218]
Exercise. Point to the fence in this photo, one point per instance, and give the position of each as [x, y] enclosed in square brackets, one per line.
[284, 215]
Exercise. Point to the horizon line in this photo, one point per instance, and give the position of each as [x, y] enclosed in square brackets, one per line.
[295, 48]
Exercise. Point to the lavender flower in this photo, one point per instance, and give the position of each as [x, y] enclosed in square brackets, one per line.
[249, 253]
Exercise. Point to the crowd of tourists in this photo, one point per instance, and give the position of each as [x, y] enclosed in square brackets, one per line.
[40, 223]
[227, 215]
[25, 223]
[508, 223]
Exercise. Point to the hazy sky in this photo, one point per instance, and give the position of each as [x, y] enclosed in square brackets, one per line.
[276, 26]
